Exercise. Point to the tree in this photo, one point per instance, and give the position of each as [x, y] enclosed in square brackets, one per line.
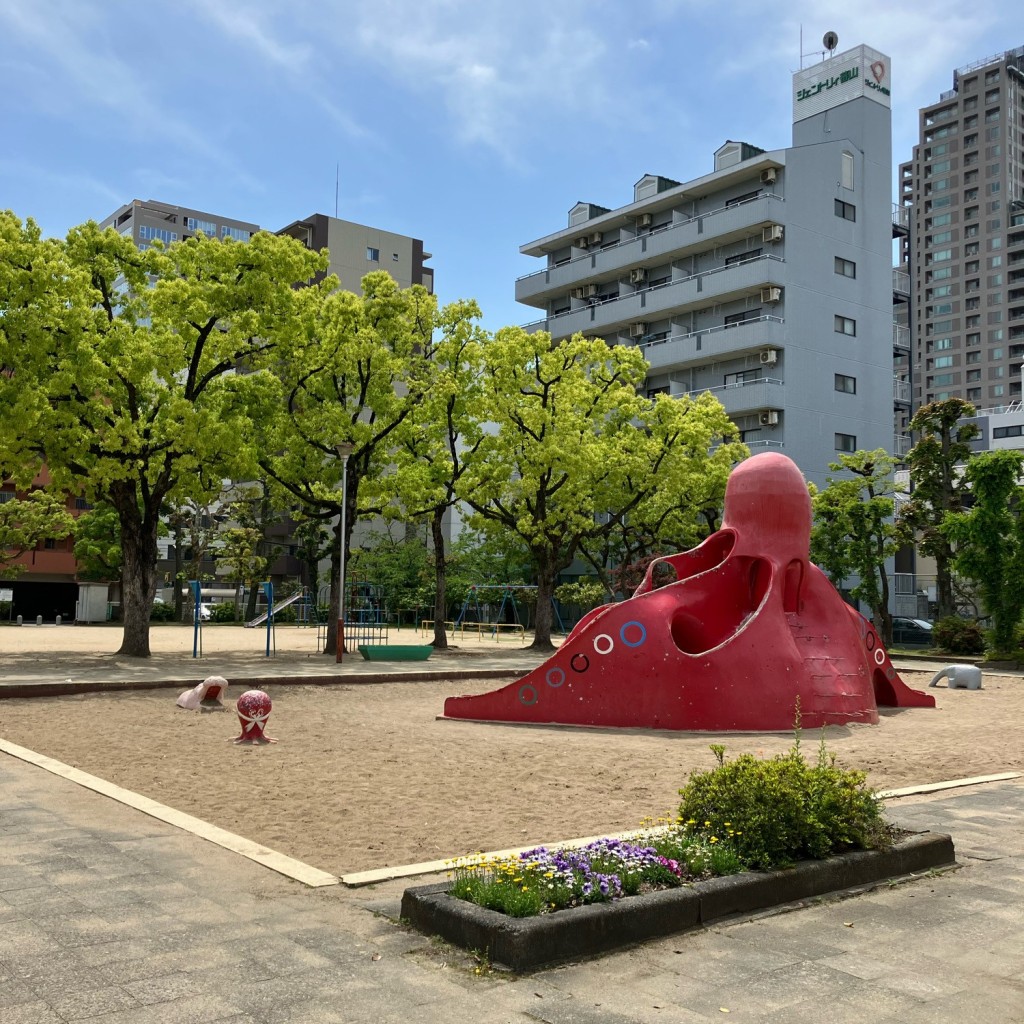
[854, 533]
[243, 548]
[939, 487]
[352, 370]
[98, 544]
[27, 522]
[989, 539]
[440, 440]
[576, 449]
[122, 371]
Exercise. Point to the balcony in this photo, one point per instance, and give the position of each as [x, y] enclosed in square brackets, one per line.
[722, 284]
[747, 396]
[900, 219]
[719, 342]
[901, 390]
[901, 284]
[900, 338]
[695, 235]
[901, 444]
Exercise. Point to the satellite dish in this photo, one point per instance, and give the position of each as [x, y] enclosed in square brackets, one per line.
[830, 40]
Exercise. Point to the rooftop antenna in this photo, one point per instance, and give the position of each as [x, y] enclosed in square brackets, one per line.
[830, 41]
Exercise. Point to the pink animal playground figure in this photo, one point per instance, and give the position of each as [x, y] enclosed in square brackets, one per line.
[749, 631]
[253, 709]
[207, 696]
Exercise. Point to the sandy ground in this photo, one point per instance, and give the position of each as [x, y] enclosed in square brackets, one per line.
[366, 776]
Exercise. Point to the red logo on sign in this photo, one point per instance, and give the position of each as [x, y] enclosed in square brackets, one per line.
[878, 70]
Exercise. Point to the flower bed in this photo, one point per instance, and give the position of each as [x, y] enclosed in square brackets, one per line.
[523, 943]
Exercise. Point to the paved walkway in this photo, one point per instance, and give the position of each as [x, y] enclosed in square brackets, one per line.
[110, 916]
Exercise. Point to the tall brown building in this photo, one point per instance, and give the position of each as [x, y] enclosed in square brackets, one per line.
[964, 195]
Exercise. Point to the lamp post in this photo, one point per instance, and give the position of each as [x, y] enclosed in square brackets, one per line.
[344, 450]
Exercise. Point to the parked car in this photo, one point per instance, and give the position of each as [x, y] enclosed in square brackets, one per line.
[911, 632]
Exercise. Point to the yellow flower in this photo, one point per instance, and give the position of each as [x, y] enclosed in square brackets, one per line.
[714, 839]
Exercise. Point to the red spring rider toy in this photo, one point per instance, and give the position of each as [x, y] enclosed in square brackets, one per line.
[253, 709]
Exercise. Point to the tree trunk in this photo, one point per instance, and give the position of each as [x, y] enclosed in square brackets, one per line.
[546, 573]
[944, 589]
[179, 571]
[138, 579]
[883, 617]
[250, 602]
[331, 644]
[440, 641]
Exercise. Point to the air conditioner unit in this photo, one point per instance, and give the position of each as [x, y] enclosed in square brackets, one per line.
[637, 330]
[770, 356]
[770, 418]
[589, 291]
[772, 233]
[771, 294]
[768, 176]
[645, 220]
[595, 238]
[582, 242]
[637, 275]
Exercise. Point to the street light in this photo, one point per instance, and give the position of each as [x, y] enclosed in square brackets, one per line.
[344, 450]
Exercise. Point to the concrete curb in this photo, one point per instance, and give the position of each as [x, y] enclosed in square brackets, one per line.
[527, 943]
[62, 688]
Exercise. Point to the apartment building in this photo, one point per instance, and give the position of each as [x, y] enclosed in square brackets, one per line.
[963, 195]
[145, 221]
[767, 281]
[356, 249]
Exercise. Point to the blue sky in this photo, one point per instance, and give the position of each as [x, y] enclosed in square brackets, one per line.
[472, 124]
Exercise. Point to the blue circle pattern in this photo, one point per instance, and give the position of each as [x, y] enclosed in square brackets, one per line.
[555, 672]
[640, 626]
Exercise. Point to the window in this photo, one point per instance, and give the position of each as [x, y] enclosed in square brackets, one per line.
[942, 292]
[847, 385]
[742, 377]
[373, 255]
[742, 257]
[845, 210]
[930, 204]
[939, 256]
[940, 343]
[394, 256]
[938, 239]
[973, 375]
[741, 318]
[206, 226]
[846, 170]
[939, 309]
[846, 268]
[6, 496]
[941, 362]
[973, 303]
[1012, 431]
[973, 357]
[940, 221]
[974, 394]
[745, 198]
[844, 325]
[938, 168]
[151, 233]
[236, 233]
[846, 442]
[941, 379]
[995, 353]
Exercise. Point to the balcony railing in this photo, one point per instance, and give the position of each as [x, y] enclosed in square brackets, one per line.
[745, 396]
[900, 390]
[648, 302]
[901, 216]
[901, 337]
[901, 444]
[759, 332]
[674, 226]
[900, 282]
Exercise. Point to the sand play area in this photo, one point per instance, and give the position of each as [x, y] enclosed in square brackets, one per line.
[366, 776]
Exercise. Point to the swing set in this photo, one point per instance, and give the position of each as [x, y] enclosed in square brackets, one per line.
[497, 628]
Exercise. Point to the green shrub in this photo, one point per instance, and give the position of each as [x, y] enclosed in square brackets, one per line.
[775, 811]
[161, 613]
[223, 612]
[958, 636]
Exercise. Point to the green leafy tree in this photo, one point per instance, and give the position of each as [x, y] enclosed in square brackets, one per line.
[122, 371]
[440, 440]
[243, 548]
[989, 539]
[938, 487]
[98, 543]
[575, 449]
[400, 568]
[352, 370]
[25, 523]
[854, 533]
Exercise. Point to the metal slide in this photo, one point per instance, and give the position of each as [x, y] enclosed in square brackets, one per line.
[260, 619]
